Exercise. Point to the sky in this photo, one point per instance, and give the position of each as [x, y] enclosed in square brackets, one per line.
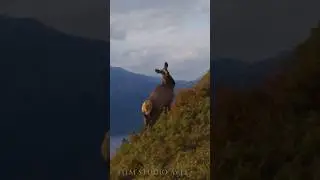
[146, 33]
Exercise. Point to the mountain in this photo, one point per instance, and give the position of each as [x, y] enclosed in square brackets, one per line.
[127, 92]
[177, 146]
[238, 74]
[53, 113]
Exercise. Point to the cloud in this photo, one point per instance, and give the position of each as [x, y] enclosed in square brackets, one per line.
[117, 34]
[253, 30]
[156, 31]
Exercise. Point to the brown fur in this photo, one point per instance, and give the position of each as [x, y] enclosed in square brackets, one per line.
[162, 97]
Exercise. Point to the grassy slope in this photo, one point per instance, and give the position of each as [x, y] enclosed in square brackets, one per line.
[273, 132]
[179, 141]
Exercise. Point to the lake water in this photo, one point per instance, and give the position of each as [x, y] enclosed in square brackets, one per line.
[115, 142]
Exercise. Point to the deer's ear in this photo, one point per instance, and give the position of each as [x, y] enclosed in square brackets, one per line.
[157, 71]
[166, 65]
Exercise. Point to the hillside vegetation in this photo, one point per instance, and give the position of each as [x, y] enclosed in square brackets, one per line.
[178, 145]
[273, 132]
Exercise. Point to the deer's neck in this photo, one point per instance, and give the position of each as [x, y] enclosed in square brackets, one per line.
[168, 83]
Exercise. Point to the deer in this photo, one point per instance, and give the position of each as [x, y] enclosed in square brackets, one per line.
[160, 98]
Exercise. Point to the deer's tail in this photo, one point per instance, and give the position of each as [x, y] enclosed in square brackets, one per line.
[146, 107]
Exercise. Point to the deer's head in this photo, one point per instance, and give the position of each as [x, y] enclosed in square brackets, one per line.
[166, 77]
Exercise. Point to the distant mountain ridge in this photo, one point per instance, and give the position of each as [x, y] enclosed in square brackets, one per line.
[238, 74]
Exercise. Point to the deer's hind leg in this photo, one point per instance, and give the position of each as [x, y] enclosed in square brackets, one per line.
[146, 120]
[168, 107]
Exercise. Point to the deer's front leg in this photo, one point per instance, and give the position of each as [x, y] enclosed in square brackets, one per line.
[169, 108]
[166, 109]
[146, 119]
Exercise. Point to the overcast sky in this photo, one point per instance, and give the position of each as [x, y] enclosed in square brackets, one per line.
[146, 33]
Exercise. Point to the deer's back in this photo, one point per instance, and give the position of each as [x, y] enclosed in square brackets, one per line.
[161, 96]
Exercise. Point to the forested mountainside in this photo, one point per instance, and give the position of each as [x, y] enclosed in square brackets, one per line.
[272, 131]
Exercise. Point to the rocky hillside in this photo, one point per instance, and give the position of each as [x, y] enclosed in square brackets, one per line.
[178, 144]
